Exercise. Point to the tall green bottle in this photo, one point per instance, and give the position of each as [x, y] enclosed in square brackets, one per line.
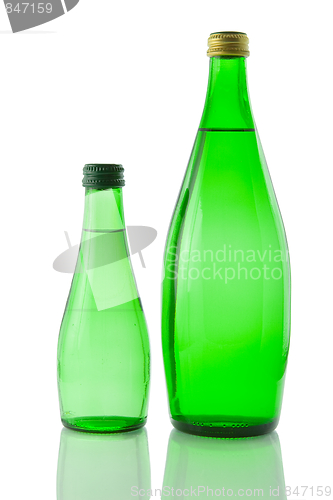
[103, 349]
[226, 288]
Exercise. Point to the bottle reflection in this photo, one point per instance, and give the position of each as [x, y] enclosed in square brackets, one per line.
[102, 467]
[200, 466]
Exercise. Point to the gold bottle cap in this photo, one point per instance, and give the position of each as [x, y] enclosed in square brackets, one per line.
[228, 43]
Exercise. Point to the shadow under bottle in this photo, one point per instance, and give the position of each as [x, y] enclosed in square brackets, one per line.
[199, 466]
[103, 467]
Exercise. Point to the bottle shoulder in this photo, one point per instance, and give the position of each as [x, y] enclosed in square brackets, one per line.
[227, 192]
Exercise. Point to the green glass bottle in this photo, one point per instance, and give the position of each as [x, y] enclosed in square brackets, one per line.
[103, 349]
[226, 287]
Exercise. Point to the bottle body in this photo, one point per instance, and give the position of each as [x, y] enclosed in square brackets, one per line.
[226, 288]
[103, 349]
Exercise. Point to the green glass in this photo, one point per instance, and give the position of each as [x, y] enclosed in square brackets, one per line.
[224, 467]
[102, 467]
[226, 288]
[103, 349]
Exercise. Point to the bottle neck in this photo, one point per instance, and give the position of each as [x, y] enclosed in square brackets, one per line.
[227, 103]
[103, 210]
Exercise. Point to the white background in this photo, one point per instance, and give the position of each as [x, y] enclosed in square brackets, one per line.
[124, 82]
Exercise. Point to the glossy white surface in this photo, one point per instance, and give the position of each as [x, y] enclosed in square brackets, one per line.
[125, 82]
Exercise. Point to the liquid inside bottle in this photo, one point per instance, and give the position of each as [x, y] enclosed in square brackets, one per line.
[226, 290]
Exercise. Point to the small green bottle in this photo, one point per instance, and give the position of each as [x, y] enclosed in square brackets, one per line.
[103, 348]
[226, 288]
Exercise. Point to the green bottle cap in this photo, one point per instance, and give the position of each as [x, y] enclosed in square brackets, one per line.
[103, 175]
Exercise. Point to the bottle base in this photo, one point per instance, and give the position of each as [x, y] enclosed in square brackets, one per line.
[231, 428]
[104, 425]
